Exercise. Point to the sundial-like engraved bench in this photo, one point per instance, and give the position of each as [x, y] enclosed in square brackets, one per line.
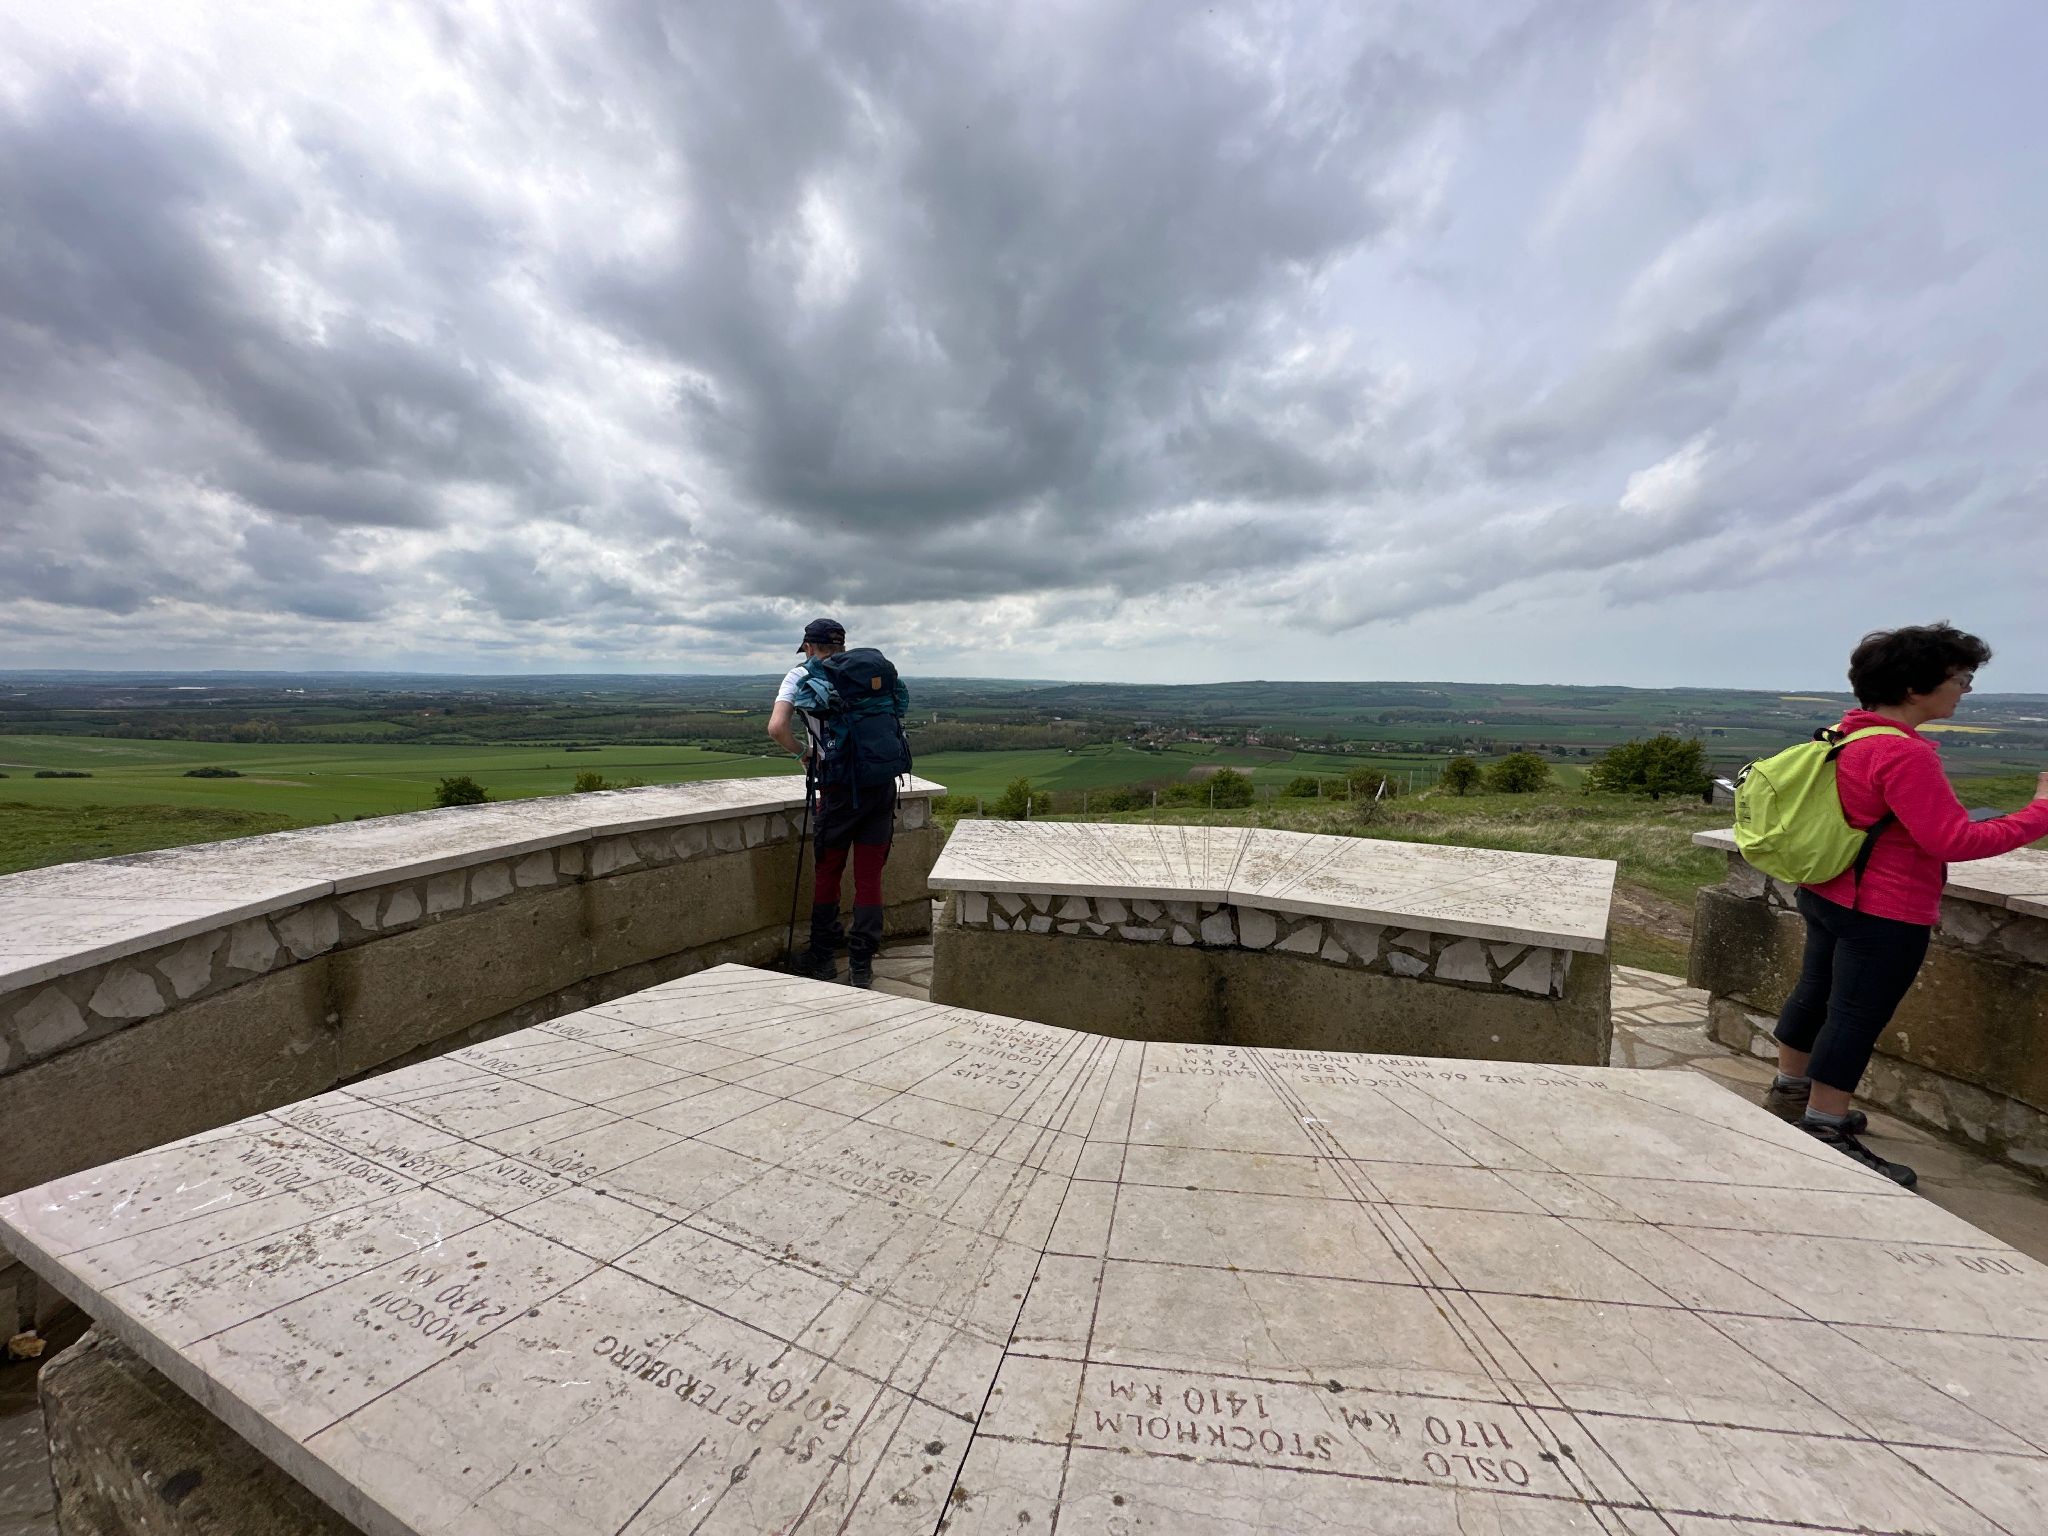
[744, 1253]
[1229, 935]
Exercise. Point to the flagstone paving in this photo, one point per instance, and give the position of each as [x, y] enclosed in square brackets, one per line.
[1659, 1024]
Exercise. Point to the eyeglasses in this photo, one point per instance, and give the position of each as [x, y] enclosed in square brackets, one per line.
[1967, 679]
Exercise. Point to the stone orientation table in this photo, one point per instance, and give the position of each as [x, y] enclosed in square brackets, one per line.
[1967, 1052]
[1245, 936]
[151, 995]
[746, 1253]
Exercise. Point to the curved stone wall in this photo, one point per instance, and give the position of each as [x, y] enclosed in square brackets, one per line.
[153, 996]
[1967, 1053]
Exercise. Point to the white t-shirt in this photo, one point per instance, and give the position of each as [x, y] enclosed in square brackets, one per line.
[786, 694]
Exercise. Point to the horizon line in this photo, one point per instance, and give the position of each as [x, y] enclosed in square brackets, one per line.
[945, 677]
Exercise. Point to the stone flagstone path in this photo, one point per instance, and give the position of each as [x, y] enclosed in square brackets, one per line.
[1660, 1022]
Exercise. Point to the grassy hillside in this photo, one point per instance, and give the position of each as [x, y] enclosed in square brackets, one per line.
[34, 835]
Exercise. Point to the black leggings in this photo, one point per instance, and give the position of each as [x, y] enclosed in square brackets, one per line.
[1856, 970]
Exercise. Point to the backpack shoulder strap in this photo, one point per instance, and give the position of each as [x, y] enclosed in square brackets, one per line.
[1837, 739]
[1877, 828]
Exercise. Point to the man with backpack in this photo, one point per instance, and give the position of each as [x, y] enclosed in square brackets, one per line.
[852, 705]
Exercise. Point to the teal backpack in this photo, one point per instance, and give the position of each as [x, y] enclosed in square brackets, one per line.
[1788, 812]
[859, 703]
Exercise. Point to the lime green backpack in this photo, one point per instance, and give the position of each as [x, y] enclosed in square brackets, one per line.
[1788, 812]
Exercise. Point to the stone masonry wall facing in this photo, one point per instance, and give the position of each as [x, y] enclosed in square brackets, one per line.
[1967, 1052]
[1217, 973]
[112, 1057]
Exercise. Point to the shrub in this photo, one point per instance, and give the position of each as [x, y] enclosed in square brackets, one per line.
[1461, 775]
[1303, 786]
[1230, 790]
[587, 782]
[459, 790]
[213, 773]
[1663, 765]
[1371, 784]
[62, 773]
[1118, 799]
[1018, 801]
[1518, 773]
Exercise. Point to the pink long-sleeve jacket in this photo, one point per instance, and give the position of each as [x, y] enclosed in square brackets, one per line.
[1909, 865]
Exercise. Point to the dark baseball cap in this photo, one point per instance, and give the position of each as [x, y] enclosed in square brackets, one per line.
[824, 632]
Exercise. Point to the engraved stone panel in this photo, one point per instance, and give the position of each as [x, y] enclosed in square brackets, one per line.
[1470, 892]
[746, 1253]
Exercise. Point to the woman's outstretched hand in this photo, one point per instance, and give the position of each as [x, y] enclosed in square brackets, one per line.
[2041, 787]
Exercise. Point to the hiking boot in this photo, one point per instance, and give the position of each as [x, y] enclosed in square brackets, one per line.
[816, 961]
[812, 963]
[863, 943]
[1789, 1104]
[826, 930]
[1844, 1141]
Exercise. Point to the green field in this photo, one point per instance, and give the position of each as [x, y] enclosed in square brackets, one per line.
[1110, 766]
[310, 783]
[313, 783]
[138, 796]
[32, 836]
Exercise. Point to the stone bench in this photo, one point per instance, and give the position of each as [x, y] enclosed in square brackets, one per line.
[1967, 1053]
[149, 996]
[1240, 936]
[746, 1253]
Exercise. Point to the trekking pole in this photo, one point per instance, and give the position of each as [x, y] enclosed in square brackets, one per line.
[796, 884]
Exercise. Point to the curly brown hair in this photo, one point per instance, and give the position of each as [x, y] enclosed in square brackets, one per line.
[1889, 664]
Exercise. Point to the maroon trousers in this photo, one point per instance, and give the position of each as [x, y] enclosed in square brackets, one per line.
[868, 859]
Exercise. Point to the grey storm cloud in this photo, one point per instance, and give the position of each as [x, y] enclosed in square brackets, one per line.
[1047, 288]
[114, 225]
[648, 332]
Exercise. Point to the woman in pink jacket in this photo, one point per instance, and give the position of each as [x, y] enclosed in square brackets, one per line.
[1866, 934]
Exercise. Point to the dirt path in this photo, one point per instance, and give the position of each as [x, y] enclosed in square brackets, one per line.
[1651, 911]
[1650, 929]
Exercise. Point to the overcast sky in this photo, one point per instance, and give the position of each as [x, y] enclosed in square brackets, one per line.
[1573, 342]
